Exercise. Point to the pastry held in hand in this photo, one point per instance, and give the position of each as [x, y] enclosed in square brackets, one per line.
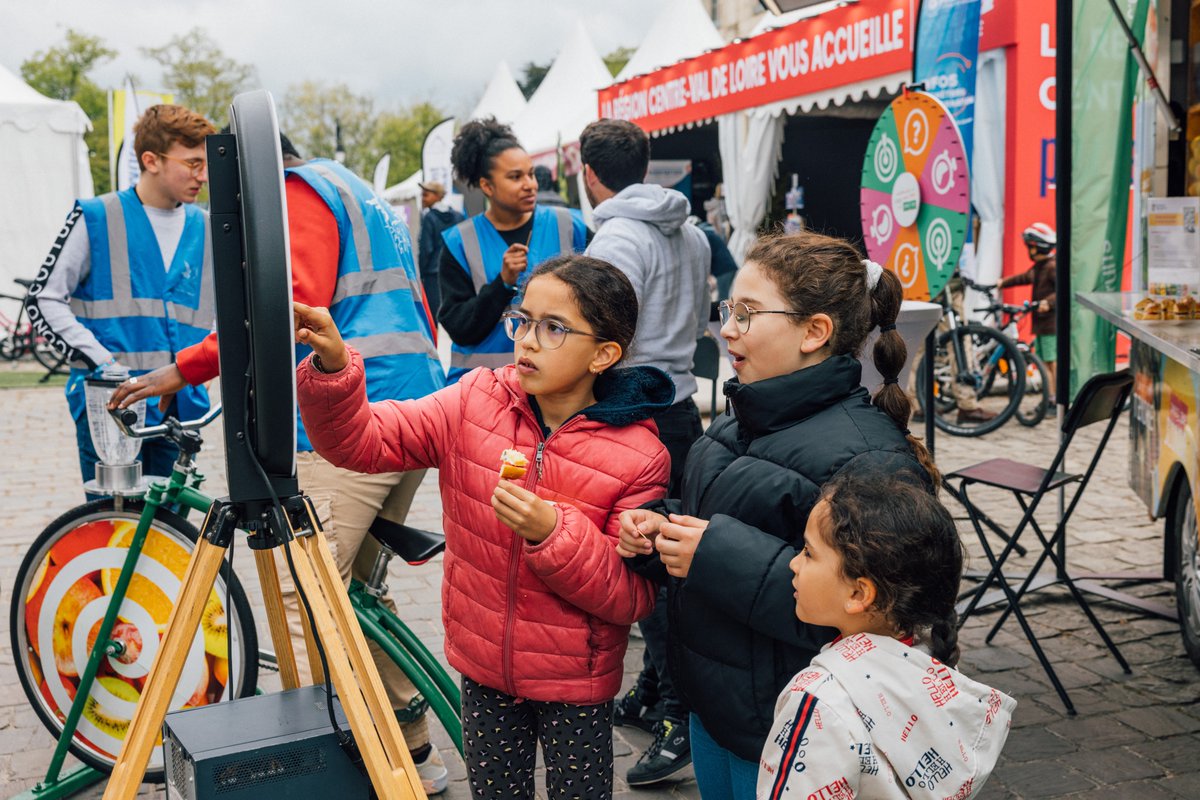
[513, 464]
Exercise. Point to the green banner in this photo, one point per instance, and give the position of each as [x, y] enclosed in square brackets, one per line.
[1105, 76]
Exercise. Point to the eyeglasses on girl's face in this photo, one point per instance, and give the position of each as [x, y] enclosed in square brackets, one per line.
[549, 333]
[741, 313]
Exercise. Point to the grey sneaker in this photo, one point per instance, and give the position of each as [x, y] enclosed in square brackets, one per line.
[433, 773]
[670, 752]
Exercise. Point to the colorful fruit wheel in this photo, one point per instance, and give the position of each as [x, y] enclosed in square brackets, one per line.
[61, 595]
[915, 196]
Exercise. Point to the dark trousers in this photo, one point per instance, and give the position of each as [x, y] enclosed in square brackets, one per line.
[678, 428]
[500, 738]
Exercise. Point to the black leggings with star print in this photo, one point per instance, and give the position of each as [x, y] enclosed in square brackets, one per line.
[500, 737]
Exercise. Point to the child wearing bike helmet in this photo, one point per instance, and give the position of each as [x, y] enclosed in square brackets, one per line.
[1041, 240]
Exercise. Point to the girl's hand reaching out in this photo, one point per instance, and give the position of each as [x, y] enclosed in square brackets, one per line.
[315, 328]
[677, 543]
[529, 516]
[639, 526]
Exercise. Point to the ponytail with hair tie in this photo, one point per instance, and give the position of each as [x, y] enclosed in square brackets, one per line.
[889, 356]
[874, 271]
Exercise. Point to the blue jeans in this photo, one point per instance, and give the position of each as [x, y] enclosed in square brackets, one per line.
[719, 773]
[157, 455]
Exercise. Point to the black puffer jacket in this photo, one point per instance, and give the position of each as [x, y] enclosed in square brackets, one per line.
[734, 637]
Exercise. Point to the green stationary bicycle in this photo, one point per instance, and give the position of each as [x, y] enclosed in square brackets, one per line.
[97, 587]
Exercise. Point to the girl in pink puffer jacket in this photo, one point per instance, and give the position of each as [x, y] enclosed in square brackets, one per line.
[536, 601]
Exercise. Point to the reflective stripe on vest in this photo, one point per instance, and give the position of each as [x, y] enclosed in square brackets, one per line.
[365, 281]
[464, 243]
[474, 253]
[123, 303]
[401, 334]
[469, 361]
[146, 360]
[377, 300]
[176, 307]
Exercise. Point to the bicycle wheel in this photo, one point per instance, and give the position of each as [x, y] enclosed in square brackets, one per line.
[12, 347]
[48, 357]
[1034, 402]
[60, 597]
[989, 356]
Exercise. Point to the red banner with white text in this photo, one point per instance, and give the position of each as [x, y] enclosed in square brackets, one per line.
[846, 45]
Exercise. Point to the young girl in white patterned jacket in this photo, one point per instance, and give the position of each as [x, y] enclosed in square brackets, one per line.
[877, 714]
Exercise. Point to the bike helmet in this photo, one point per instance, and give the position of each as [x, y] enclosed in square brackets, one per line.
[1041, 237]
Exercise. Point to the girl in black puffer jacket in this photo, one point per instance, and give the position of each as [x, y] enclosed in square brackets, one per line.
[800, 311]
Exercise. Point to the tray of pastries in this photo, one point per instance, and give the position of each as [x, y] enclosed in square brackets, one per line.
[1167, 309]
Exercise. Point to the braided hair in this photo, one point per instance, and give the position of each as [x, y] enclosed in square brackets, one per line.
[903, 539]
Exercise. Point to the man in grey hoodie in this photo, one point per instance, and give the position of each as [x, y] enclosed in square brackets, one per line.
[641, 229]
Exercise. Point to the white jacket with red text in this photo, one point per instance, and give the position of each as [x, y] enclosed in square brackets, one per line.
[875, 718]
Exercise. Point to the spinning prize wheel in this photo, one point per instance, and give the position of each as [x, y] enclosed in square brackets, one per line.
[915, 194]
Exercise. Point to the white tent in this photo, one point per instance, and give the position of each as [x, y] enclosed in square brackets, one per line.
[407, 189]
[43, 168]
[682, 30]
[502, 98]
[565, 102]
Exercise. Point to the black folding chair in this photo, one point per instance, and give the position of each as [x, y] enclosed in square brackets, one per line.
[1101, 399]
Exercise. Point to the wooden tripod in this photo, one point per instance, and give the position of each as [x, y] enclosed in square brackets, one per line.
[358, 686]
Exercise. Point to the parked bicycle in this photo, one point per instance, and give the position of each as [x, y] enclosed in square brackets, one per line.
[18, 338]
[969, 359]
[97, 586]
[1038, 396]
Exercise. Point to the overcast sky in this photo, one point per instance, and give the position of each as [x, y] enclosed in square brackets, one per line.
[395, 51]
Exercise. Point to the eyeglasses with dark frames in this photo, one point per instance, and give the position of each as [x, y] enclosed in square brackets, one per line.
[550, 333]
[741, 313]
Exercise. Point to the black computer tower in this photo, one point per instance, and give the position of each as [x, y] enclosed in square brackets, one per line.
[270, 745]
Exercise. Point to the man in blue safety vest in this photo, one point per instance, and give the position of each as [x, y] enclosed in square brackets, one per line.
[128, 281]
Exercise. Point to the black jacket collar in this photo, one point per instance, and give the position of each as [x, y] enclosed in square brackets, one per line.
[777, 403]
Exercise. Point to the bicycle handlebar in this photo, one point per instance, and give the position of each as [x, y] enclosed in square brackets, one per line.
[126, 417]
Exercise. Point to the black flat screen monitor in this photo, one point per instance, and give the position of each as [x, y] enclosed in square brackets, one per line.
[253, 280]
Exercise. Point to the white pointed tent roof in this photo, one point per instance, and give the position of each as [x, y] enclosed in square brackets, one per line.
[502, 98]
[43, 168]
[565, 102]
[683, 29]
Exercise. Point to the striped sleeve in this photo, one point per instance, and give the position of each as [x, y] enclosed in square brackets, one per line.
[809, 752]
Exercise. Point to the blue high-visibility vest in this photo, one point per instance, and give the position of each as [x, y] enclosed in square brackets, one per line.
[143, 312]
[479, 249]
[377, 303]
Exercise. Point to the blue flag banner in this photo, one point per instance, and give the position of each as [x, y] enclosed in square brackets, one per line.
[947, 52]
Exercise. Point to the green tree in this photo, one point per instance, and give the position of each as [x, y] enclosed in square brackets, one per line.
[531, 78]
[617, 59]
[61, 72]
[401, 135]
[311, 113]
[201, 76]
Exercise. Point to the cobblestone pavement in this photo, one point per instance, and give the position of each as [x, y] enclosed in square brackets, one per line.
[1134, 736]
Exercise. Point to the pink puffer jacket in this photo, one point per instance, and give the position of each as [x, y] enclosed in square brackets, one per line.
[544, 622]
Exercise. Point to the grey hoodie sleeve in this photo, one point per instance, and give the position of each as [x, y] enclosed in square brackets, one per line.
[624, 253]
[48, 302]
[704, 299]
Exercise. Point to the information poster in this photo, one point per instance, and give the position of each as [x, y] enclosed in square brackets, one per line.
[1173, 242]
